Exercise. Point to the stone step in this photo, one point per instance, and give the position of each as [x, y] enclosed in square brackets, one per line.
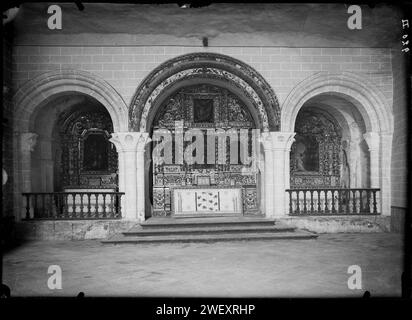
[208, 229]
[204, 222]
[299, 234]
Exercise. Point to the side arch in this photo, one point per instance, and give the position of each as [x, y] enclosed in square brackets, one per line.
[368, 99]
[46, 86]
[374, 110]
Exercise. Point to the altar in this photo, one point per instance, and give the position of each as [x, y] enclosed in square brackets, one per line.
[205, 201]
[203, 152]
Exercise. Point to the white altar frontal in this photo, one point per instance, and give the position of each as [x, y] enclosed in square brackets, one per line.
[206, 201]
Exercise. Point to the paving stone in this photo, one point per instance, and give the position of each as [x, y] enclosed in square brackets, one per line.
[288, 268]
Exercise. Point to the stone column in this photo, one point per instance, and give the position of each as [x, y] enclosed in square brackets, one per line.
[290, 137]
[26, 142]
[282, 141]
[268, 180]
[140, 176]
[380, 161]
[45, 158]
[129, 148]
[373, 141]
[277, 147]
[385, 172]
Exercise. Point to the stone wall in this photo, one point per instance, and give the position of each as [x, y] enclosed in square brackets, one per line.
[7, 125]
[399, 167]
[70, 230]
[125, 67]
[340, 224]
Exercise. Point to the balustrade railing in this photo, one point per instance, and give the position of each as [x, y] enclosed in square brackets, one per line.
[73, 205]
[333, 201]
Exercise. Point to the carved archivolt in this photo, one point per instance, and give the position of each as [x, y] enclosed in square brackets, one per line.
[208, 66]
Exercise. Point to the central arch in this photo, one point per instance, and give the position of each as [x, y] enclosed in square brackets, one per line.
[209, 67]
[213, 71]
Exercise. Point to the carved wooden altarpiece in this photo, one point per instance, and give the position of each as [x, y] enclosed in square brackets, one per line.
[204, 107]
[315, 157]
[89, 160]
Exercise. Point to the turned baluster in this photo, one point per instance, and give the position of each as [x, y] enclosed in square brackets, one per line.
[360, 201]
[375, 211]
[326, 202]
[81, 205]
[347, 201]
[354, 209]
[89, 205]
[111, 209]
[297, 202]
[305, 210]
[50, 206]
[104, 205]
[97, 205]
[319, 207]
[119, 207]
[368, 206]
[43, 206]
[333, 201]
[311, 201]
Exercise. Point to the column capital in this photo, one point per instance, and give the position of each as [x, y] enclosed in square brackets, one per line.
[130, 141]
[372, 139]
[278, 140]
[28, 141]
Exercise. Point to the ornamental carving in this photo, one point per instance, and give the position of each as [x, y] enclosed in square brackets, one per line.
[206, 66]
[204, 107]
[250, 201]
[316, 154]
[88, 159]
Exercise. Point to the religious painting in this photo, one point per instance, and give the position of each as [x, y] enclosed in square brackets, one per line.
[306, 154]
[95, 153]
[203, 180]
[203, 110]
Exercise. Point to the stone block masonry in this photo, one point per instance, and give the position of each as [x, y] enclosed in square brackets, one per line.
[125, 67]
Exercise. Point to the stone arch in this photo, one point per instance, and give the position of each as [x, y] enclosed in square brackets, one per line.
[210, 66]
[368, 99]
[374, 109]
[46, 86]
[174, 87]
[42, 91]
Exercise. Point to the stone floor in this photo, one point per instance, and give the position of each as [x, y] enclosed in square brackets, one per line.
[283, 268]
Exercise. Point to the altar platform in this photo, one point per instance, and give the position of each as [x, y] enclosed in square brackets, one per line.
[210, 229]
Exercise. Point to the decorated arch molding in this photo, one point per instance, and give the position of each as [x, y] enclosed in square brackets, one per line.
[209, 66]
[47, 86]
[368, 99]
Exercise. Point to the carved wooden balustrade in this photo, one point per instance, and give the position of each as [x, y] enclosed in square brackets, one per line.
[333, 201]
[73, 205]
